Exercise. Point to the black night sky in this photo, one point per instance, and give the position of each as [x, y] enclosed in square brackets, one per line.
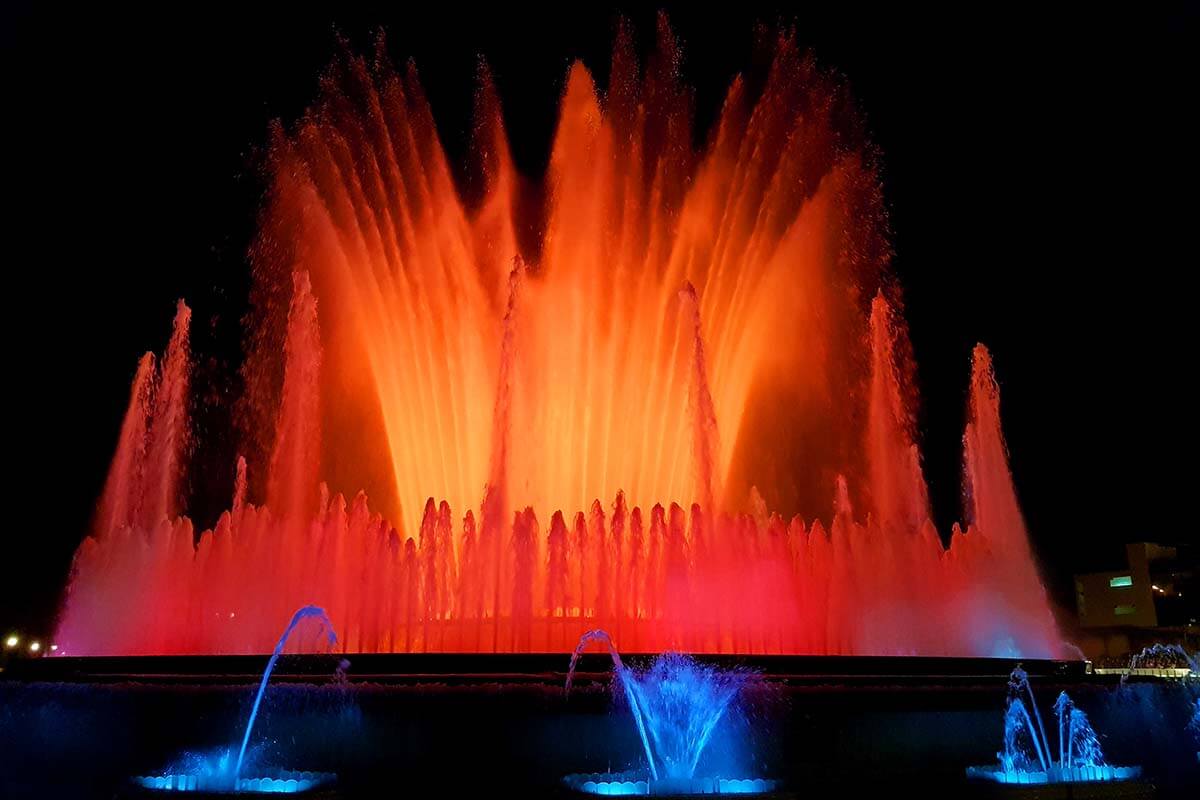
[1040, 171]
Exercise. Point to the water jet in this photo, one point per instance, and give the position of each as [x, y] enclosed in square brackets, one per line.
[220, 771]
[676, 703]
[1027, 758]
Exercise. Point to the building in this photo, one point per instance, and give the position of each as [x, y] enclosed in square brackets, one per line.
[1151, 599]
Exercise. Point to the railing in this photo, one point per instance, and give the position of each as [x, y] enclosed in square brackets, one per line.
[1146, 672]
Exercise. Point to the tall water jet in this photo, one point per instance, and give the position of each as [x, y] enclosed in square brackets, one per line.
[494, 507]
[116, 508]
[168, 429]
[295, 462]
[898, 494]
[707, 444]
[142, 488]
[1012, 604]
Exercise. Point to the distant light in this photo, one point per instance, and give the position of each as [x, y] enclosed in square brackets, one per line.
[12, 641]
[1121, 580]
[1154, 586]
[53, 648]
[35, 647]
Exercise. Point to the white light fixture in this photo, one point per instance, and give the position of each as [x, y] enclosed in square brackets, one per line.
[35, 647]
[12, 641]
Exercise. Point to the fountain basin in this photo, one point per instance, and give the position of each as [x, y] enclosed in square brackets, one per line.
[637, 783]
[82, 727]
[997, 774]
[277, 782]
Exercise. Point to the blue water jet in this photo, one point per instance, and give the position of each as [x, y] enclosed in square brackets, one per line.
[218, 770]
[626, 679]
[1028, 757]
[677, 704]
[300, 615]
[1156, 654]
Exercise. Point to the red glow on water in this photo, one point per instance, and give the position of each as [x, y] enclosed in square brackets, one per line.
[697, 336]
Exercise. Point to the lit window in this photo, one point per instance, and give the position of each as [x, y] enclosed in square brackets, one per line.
[1120, 580]
[1122, 611]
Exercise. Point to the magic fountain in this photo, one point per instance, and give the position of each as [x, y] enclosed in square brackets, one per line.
[663, 392]
[709, 339]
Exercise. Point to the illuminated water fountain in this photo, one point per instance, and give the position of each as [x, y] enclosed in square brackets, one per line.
[671, 395]
[677, 704]
[220, 770]
[1027, 757]
[1163, 660]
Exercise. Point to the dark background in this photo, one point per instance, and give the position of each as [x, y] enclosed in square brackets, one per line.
[1040, 170]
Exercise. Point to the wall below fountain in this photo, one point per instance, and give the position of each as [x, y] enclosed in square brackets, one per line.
[500, 735]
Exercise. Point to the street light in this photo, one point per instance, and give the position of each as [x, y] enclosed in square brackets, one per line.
[35, 647]
[12, 641]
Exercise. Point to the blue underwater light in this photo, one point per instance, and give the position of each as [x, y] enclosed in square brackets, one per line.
[999, 774]
[282, 782]
[215, 772]
[619, 784]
